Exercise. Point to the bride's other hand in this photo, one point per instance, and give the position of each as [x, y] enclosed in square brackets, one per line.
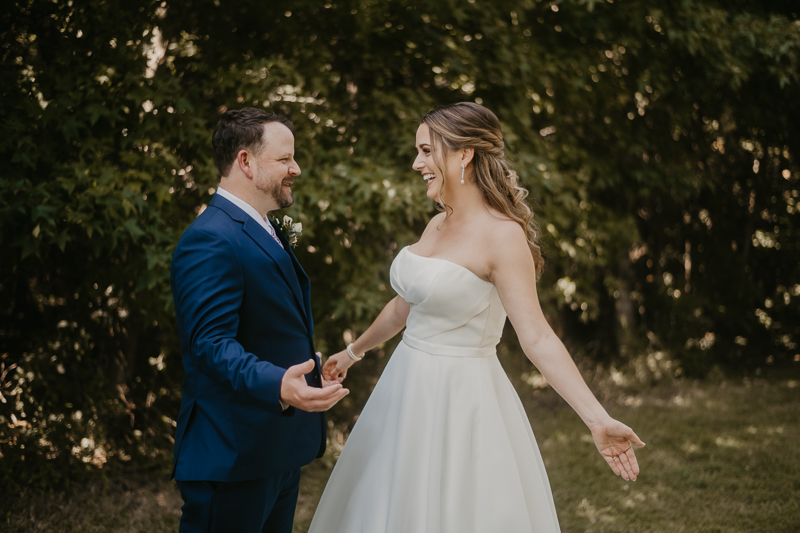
[388, 324]
[615, 442]
[335, 368]
[327, 382]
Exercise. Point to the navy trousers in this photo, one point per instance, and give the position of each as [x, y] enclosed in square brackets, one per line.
[257, 506]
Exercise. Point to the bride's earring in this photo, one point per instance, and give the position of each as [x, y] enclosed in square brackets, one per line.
[462, 172]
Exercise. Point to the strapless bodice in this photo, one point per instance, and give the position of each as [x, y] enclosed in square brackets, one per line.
[453, 311]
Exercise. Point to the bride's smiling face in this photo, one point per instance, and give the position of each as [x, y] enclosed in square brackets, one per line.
[427, 163]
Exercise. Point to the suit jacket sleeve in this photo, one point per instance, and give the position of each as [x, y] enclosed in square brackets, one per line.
[208, 287]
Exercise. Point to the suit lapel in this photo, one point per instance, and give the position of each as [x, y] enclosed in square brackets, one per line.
[287, 264]
[301, 274]
[280, 256]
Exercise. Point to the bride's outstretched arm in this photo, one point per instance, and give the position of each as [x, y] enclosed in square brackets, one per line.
[388, 324]
[513, 273]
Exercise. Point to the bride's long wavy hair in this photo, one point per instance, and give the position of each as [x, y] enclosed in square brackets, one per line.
[468, 125]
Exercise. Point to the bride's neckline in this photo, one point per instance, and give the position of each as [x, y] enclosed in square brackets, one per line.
[462, 267]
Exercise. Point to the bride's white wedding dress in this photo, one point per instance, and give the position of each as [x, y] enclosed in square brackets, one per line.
[443, 445]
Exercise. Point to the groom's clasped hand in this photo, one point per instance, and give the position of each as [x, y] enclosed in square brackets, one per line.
[295, 391]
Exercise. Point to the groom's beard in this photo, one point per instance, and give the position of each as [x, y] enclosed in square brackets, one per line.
[276, 192]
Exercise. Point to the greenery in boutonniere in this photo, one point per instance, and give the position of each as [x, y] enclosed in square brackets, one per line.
[292, 231]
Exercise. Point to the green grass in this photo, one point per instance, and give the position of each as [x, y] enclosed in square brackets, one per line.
[721, 456]
[140, 504]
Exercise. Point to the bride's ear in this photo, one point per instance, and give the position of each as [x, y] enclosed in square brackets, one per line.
[466, 155]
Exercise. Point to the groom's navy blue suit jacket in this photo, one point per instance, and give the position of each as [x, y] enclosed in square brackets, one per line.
[244, 316]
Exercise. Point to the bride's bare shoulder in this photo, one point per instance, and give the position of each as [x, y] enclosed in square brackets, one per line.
[501, 229]
[503, 239]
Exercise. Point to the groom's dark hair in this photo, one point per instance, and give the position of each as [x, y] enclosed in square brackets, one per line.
[241, 129]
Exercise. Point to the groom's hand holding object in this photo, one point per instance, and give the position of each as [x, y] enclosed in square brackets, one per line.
[296, 392]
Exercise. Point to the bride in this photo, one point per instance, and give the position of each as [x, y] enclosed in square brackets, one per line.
[443, 444]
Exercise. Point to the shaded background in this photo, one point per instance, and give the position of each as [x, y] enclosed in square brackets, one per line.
[658, 139]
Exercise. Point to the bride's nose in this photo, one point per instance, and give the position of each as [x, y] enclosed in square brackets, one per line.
[418, 164]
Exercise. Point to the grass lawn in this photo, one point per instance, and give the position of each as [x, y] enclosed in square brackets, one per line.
[721, 456]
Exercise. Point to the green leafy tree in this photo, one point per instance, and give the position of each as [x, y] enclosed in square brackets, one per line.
[658, 140]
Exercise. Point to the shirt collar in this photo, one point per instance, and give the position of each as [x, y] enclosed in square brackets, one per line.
[244, 206]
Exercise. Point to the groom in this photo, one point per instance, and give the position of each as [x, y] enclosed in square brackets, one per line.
[253, 396]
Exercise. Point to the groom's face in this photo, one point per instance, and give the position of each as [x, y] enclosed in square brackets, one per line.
[275, 167]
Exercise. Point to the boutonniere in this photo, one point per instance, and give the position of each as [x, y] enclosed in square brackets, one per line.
[291, 230]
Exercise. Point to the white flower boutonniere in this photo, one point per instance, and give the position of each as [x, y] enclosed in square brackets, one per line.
[292, 231]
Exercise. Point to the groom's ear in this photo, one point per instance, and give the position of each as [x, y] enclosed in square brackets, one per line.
[244, 160]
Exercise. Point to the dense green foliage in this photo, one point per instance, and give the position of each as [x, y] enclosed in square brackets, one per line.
[658, 140]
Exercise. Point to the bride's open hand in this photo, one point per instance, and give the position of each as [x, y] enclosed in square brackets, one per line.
[335, 368]
[615, 442]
